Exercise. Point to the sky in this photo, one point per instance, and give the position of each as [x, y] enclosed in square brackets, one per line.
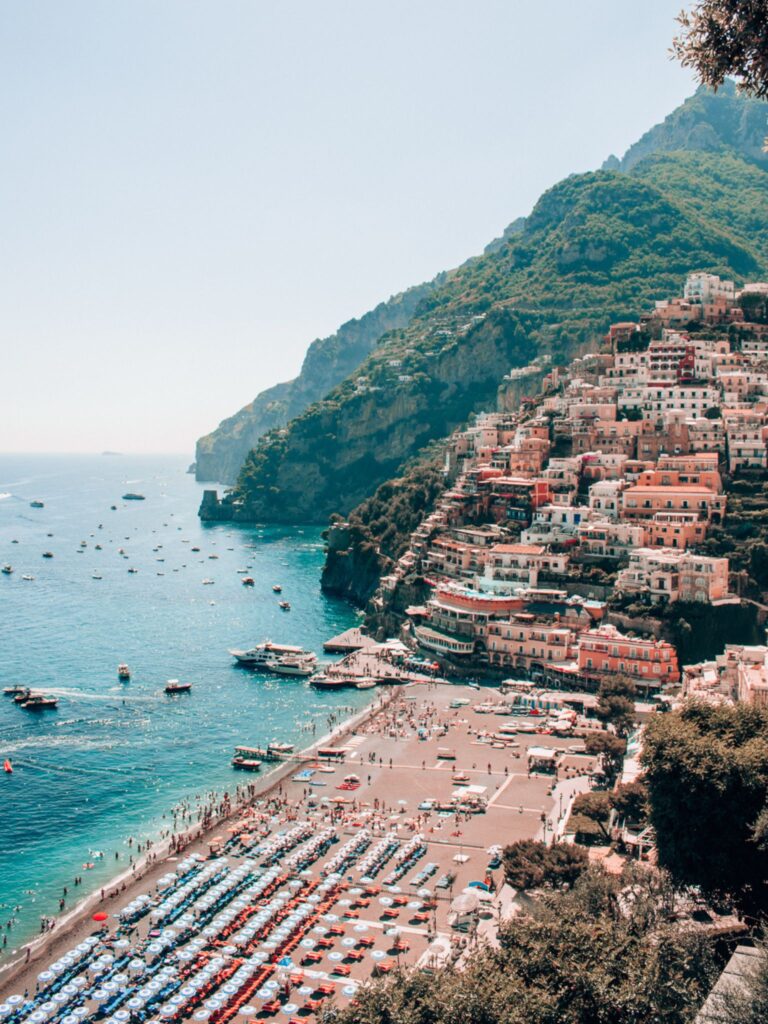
[193, 191]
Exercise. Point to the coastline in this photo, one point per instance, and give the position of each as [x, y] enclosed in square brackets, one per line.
[154, 863]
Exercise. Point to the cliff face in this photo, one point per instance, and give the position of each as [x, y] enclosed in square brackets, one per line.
[341, 449]
[220, 454]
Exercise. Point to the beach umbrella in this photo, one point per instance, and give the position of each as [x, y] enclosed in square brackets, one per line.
[290, 1008]
[100, 916]
[46, 976]
[349, 990]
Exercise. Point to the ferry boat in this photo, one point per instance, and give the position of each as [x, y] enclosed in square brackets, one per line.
[39, 702]
[7, 570]
[260, 655]
[247, 759]
[293, 665]
[174, 686]
[123, 672]
[130, 496]
[36, 504]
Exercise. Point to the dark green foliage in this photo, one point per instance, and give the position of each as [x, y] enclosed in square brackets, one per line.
[630, 801]
[706, 769]
[581, 956]
[529, 864]
[610, 746]
[616, 704]
[590, 816]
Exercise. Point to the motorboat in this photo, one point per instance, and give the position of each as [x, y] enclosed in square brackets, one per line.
[365, 684]
[248, 581]
[36, 504]
[321, 681]
[39, 702]
[123, 672]
[247, 758]
[27, 577]
[132, 570]
[7, 570]
[14, 691]
[47, 554]
[131, 496]
[285, 605]
[22, 694]
[174, 686]
[208, 582]
[277, 588]
[260, 655]
[96, 576]
[292, 665]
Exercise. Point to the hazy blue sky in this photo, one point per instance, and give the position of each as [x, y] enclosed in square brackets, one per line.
[193, 191]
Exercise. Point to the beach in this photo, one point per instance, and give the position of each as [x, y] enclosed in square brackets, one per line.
[405, 752]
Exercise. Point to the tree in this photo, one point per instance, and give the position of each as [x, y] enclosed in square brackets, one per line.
[584, 955]
[616, 704]
[595, 807]
[630, 801]
[529, 864]
[723, 38]
[706, 769]
[608, 745]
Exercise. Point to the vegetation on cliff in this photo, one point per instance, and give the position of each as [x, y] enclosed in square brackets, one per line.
[363, 548]
[220, 454]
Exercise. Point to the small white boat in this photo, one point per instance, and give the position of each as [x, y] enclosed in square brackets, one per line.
[293, 665]
[366, 684]
[27, 577]
[207, 582]
[96, 576]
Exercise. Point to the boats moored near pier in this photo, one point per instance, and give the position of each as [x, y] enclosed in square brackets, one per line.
[262, 654]
[247, 759]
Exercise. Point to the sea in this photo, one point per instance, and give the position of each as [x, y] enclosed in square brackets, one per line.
[113, 759]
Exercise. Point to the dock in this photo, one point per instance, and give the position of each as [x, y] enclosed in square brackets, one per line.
[350, 640]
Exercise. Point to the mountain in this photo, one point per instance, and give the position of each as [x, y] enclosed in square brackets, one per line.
[597, 247]
[220, 454]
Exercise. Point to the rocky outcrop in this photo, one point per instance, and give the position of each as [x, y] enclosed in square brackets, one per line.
[220, 454]
[352, 568]
[707, 121]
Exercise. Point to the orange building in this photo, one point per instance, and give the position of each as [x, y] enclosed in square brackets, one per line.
[605, 651]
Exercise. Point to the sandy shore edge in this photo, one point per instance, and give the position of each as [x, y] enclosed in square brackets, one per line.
[49, 945]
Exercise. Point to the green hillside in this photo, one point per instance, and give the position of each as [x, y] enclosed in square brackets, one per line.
[597, 247]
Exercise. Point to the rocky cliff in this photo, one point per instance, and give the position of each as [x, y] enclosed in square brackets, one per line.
[220, 455]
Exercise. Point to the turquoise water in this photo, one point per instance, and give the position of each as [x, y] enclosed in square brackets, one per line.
[113, 758]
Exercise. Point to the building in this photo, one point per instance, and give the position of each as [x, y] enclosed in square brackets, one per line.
[606, 651]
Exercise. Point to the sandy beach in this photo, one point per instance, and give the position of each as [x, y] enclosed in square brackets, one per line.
[408, 752]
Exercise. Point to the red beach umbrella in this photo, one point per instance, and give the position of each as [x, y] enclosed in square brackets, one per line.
[100, 916]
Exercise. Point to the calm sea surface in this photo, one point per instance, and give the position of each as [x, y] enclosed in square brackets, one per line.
[113, 758]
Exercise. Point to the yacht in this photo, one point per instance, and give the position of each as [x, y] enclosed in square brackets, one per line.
[292, 665]
[260, 655]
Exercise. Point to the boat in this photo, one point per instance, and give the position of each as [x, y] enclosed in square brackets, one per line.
[208, 582]
[277, 588]
[36, 504]
[12, 691]
[248, 581]
[132, 570]
[174, 686]
[245, 758]
[194, 549]
[261, 654]
[27, 577]
[281, 749]
[7, 766]
[7, 570]
[130, 496]
[365, 684]
[285, 605]
[39, 702]
[96, 576]
[22, 694]
[292, 665]
[321, 681]
[123, 672]
[47, 554]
